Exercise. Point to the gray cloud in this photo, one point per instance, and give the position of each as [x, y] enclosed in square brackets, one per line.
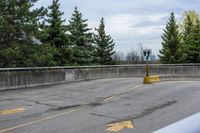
[129, 22]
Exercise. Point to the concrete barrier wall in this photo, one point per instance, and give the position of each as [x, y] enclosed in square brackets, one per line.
[26, 77]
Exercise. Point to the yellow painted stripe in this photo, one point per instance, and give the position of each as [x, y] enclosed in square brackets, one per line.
[136, 87]
[12, 111]
[62, 114]
[107, 99]
[122, 93]
[40, 120]
[116, 127]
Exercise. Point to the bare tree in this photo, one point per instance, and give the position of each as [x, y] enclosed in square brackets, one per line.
[118, 57]
[133, 57]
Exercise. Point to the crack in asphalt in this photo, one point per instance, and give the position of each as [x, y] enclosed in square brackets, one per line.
[66, 107]
[154, 108]
[108, 116]
[40, 103]
[93, 104]
[10, 99]
[144, 113]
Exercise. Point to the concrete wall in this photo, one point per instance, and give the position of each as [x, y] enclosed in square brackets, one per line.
[26, 77]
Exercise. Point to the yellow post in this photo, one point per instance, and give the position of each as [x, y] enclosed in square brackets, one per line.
[150, 79]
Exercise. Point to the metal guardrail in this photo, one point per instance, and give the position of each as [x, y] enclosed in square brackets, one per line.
[188, 125]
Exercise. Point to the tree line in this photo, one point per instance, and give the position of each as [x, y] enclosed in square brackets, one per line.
[32, 37]
[181, 42]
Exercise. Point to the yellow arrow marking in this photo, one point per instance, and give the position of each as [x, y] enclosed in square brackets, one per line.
[11, 111]
[116, 127]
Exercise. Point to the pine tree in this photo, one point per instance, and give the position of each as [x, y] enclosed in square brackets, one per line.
[104, 45]
[54, 32]
[192, 44]
[193, 16]
[18, 22]
[55, 29]
[187, 40]
[81, 39]
[188, 26]
[170, 52]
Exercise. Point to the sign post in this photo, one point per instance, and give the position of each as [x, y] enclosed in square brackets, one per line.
[147, 54]
[149, 79]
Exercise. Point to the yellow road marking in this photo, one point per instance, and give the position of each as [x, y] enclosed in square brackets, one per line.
[116, 127]
[65, 113]
[40, 120]
[107, 99]
[136, 87]
[122, 93]
[12, 111]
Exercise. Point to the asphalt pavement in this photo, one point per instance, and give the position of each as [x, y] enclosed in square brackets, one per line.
[98, 106]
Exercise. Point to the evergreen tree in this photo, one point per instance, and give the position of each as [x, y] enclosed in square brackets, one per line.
[170, 52]
[187, 40]
[81, 39]
[104, 45]
[192, 44]
[55, 33]
[193, 16]
[55, 29]
[18, 22]
[188, 26]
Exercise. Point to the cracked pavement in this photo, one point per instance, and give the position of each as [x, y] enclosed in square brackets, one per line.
[88, 106]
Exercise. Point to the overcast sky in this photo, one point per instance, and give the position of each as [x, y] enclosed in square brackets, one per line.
[129, 22]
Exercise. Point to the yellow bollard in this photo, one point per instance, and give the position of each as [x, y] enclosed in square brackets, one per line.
[151, 79]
